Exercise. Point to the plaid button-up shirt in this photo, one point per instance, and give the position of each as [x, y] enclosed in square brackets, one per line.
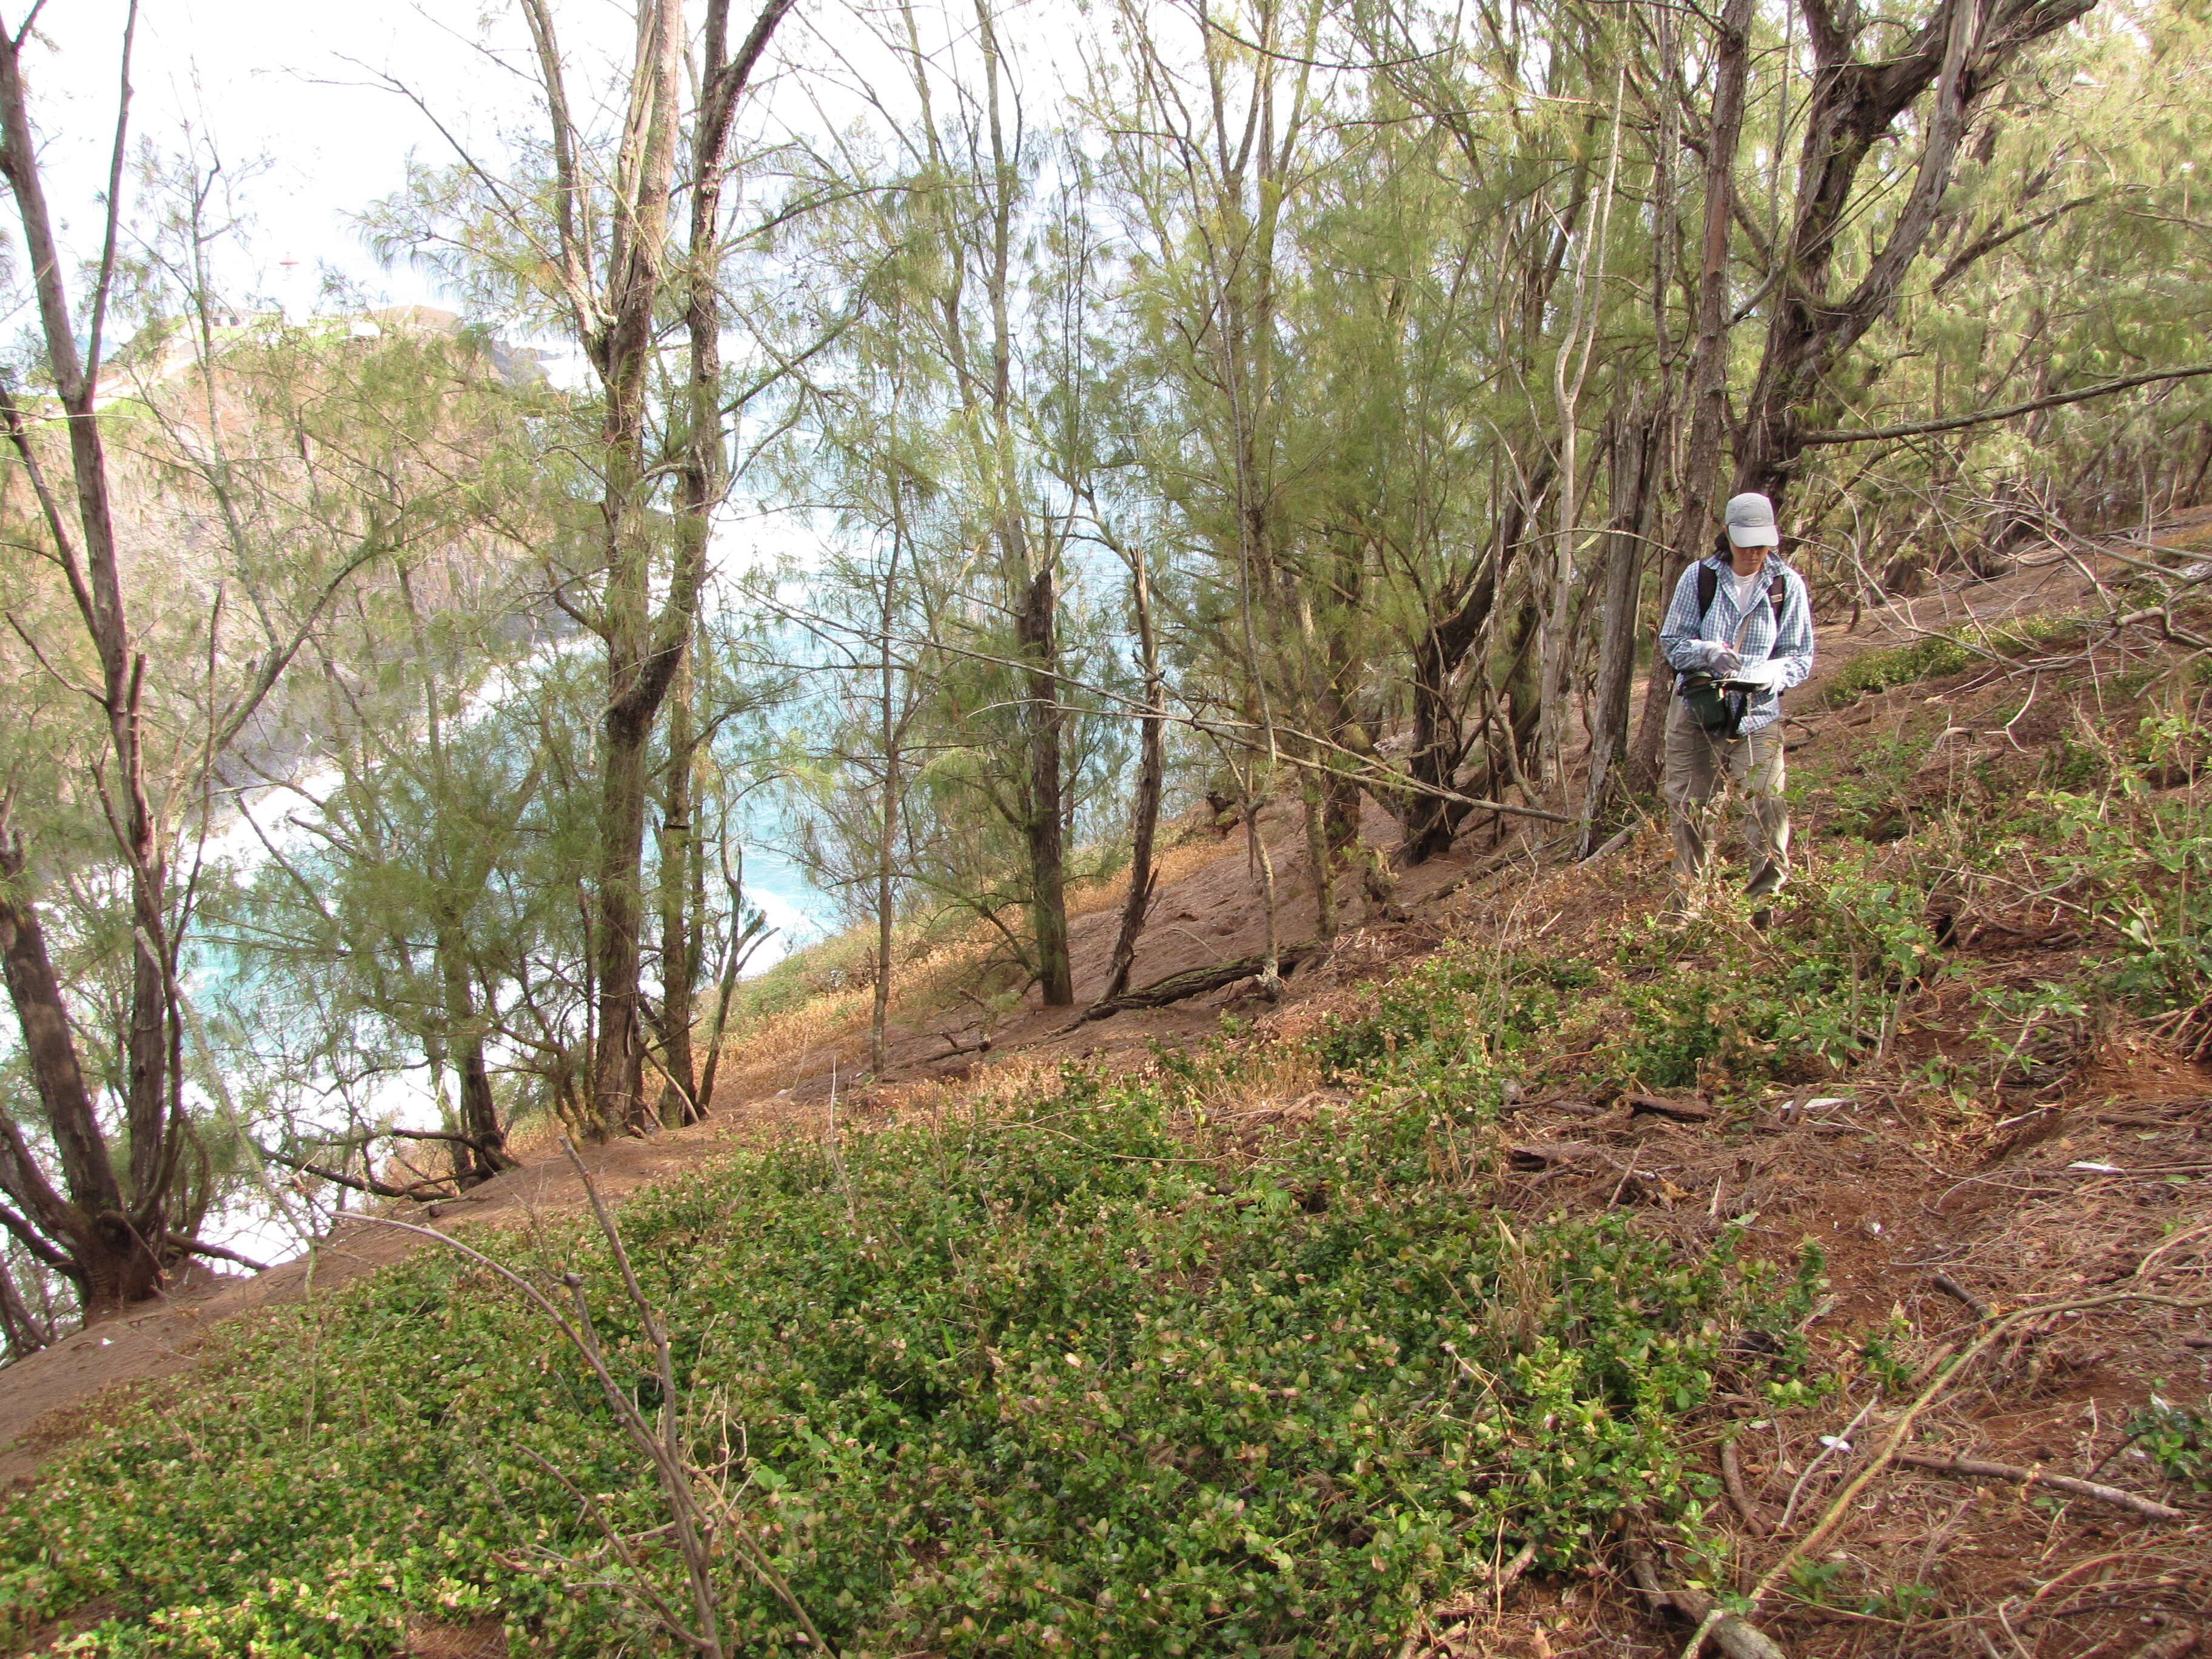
[1690, 641]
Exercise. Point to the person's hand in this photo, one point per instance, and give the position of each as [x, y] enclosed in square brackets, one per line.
[1723, 661]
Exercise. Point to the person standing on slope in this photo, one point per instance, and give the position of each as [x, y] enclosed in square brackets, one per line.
[1738, 634]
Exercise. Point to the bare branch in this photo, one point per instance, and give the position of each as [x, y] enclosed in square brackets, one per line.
[2055, 400]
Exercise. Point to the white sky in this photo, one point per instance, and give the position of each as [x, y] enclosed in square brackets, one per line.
[293, 85]
[273, 80]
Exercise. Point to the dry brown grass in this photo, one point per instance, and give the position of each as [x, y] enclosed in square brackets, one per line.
[833, 1021]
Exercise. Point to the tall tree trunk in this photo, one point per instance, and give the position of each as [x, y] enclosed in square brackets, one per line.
[617, 1082]
[1031, 577]
[1037, 632]
[637, 675]
[1632, 440]
[123, 1267]
[644, 648]
[1557, 650]
[1708, 389]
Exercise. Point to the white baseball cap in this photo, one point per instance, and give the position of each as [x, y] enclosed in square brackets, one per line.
[1750, 519]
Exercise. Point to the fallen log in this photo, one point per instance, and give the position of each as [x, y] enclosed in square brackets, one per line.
[1572, 1105]
[1974, 1469]
[1730, 1634]
[1193, 983]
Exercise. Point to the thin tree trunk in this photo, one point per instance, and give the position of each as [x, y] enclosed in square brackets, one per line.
[1556, 650]
[679, 966]
[1632, 438]
[106, 1255]
[1151, 768]
[617, 1086]
[742, 939]
[149, 1102]
[644, 648]
[889, 732]
[1038, 634]
[1033, 581]
[1313, 810]
[1263, 865]
[1708, 388]
[1313, 799]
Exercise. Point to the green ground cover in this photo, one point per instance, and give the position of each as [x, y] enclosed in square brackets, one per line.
[1050, 1380]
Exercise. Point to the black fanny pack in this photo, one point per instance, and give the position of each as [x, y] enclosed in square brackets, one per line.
[1715, 710]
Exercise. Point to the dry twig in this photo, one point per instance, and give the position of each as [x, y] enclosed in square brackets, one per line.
[1970, 1468]
[1732, 1475]
[1959, 1294]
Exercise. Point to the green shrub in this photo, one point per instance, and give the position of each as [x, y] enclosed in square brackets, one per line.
[1035, 1384]
[1726, 1004]
[1928, 658]
[1934, 655]
[2144, 869]
[2178, 1440]
[1451, 1026]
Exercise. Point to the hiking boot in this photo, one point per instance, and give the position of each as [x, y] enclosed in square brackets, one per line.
[1763, 918]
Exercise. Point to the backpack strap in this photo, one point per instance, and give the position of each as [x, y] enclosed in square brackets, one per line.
[1708, 583]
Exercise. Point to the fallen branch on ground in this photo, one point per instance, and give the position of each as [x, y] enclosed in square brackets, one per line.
[2173, 1645]
[1736, 1638]
[1992, 1331]
[1572, 1105]
[1192, 983]
[1732, 1477]
[1959, 1294]
[1970, 1469]
[1542, 1154]
[953, 1049]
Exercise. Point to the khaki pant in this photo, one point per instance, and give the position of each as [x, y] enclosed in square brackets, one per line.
[1696, 764]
